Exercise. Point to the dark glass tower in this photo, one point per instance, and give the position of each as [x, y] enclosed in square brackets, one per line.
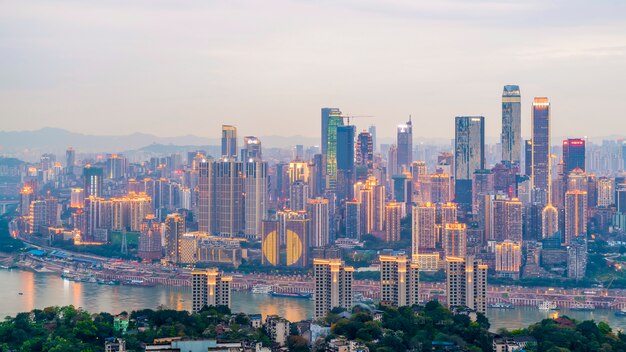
[573, 154]
[345, 161]
[469, 154]
[405, 145]
[511, 137]
[92, 178]
[331, 119]
[540, 143]
[229, 142]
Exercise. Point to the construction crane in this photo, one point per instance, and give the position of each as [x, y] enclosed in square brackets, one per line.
[348, 117]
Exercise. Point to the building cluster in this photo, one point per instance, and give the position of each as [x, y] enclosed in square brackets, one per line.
[522, 207]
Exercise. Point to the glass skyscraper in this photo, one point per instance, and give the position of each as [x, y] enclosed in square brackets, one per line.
[469, 154]
[511, 137]
[229, 142]
[405, 145]
[540, 143]
[345, 161]
[573, 154]
[331, 119]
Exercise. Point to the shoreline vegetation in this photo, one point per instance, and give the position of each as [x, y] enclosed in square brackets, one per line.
[417, 328]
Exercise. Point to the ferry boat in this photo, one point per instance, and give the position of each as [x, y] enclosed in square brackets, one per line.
[547, 305]
[621, 312]
[262, 289]
[502, 306]
[583, 307]
[302, 295]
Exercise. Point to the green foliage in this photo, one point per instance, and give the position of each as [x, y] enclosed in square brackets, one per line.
[8, 244]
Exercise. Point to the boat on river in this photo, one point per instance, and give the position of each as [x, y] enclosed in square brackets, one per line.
[502, 305]
[301, 295]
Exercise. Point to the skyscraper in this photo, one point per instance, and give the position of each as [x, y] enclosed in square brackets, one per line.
[372, 131]
[424, 228]
[573, 154]
[116, 166]
[606, 192]
[331, 119]
[508, 259]
[270, 243]
[333, 286]
[466, 283]
[210, 287]
[251, 149]
[405, 144]
[229, 197]
[255, 203]
[70, 161]
[345, 161]
[93, 178]
[364, 156]
[317, 210]
[540, 143]
[455, 240]
[393, 213]
[229, 142]
[469, 154]
[149, 247]
[174, 229]
[399, 281]
[205, 196]
[297, 241]
[511, 137]
[575, 215]
[353, 219]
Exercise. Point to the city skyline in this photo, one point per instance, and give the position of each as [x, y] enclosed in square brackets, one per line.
[204, 70]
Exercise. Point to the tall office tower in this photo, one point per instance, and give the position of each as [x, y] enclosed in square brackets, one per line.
[333, 286]
[26, 197]
[331, 119]
[345, 161]
[405, 145]
[270, 243]
[592, 191]
[251, 149]
[209, 287]
[70, 160]
[150, 239]
[174, 229]
[455, 240]
[469, 155]
[575, 215]
[540, 143]
[372, 131]
[402, 190]
[318, 175]
[482, 185]
[440, 188]
[298, 196]
[297, 241]
[77, 198]
[399, 281]
[317, 210]
[466, 283]
[206, 196]
[364, 156]
[573, 154]
[38, 216]
[508, 259]
[620, 198]
[393, 213]
[505, 217]
[229, 197]
[116, 166]
[528, 158]
[511, 137]
[424, 234]
[392, 162]
[255, 203]
[606, 192]
[229, 142]
[353, 219]
[92, 179]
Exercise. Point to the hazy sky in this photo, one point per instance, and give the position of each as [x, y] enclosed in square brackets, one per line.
[185, 67]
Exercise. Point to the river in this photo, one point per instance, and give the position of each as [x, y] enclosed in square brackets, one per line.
[44, 290]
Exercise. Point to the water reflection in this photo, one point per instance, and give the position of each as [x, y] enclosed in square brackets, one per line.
[44, 290]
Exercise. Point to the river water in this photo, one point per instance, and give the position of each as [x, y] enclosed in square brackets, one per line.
[44, 290]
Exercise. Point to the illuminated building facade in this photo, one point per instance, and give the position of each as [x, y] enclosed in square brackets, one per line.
[150, 247]
[540, 143]
[174, 229]
[455, 240]
[575, 215]
[424, 228]
[399, 281]
[210, 288]
[229, 197]
[297, 241]
[574, 154]
[333, 286]
[508, 259]
[318, 213]
[93, 178]
[331, 120]
[466, 283]
[270, 243]
[393, 214]
[256, 202]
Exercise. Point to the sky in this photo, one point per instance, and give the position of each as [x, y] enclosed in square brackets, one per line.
[187, 66]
